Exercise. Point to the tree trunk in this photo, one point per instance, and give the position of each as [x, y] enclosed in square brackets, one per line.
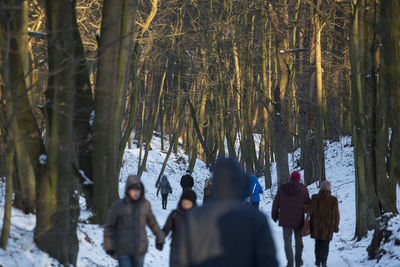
[280, 93]
[115, 51]
[363, 84]
[57, 204]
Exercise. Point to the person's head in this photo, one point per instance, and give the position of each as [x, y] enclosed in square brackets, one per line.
[229, 179]
[187, 171]
[326, 186]
[164, 178]
[188, 199]
[253, 179]
[134, 188]
[295, 176]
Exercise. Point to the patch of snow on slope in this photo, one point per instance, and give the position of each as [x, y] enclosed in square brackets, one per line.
[344, 250]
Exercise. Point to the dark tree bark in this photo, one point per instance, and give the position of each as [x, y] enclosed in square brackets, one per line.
[115, 52]
[57, 204]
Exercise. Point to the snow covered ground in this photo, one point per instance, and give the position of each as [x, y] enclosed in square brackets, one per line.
[344, 250]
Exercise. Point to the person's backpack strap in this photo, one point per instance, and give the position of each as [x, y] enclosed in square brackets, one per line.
[254, 188]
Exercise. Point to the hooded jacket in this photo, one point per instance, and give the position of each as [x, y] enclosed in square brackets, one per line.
[164, 187]
[223, 232]
[125, 227]
[254, 184]
[324, 213]
[289, 205]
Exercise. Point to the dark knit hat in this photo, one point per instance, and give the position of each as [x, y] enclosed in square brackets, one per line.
[295, 176]
[189, 195]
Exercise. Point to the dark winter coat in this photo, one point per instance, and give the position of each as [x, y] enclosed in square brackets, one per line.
[289, 204]
[207, 191]
[223, 232]
[187, 182]
[173, 223]
[324, 213]
[125, 227]
[164, 186]
[257, 189]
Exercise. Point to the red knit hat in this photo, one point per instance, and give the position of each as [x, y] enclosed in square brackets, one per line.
[295, 176]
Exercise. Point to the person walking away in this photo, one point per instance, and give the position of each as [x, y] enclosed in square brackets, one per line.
[165, 188]
[289, 207]
[255, 190]
[224, 232]
[324, 214]
[207, 191]
[174, 220]
[125, 234]
[187, 181]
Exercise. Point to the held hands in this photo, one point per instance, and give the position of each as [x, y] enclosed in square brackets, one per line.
[159, 246]
[111, 253]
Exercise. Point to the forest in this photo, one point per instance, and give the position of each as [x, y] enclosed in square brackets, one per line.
[81, 81]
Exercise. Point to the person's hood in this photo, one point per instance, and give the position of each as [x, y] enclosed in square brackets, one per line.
[229, 180]
[291, 188]
[253, 179]
[133, 180]
[164, 178]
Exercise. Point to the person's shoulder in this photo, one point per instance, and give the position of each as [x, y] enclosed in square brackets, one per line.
[146, 203]
[333, 198]
[118, 203]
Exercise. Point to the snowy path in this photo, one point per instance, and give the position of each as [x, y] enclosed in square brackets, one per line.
[344, 251]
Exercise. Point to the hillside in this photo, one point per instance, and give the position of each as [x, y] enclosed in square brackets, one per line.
[344, 250]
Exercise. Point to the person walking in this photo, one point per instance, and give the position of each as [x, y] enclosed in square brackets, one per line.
[324, 215]
[207, 191]
[174, 220]
[253, 196]
[224, 232]
[125, 234]
[187, 181]
[289, 207]
[165, 188]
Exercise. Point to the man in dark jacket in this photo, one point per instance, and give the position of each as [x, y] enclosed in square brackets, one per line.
[288, 208]
[324, 214]
[223, 232]
[187, 181]
[125, 229]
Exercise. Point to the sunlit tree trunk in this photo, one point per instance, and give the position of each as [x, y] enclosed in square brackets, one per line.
[57, 201]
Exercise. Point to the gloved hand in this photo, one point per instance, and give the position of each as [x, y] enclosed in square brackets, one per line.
[111, 252]
[159, 246]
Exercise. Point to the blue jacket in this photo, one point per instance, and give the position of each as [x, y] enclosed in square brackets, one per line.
[257, 190]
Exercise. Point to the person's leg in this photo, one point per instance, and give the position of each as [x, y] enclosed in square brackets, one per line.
[324, 251]
[287, 238]
[317, 253]
[138, 261]
[299, 247]
[164, 198]
[255, 204]
[124, 261]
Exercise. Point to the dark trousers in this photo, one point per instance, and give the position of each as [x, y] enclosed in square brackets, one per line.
[255, 204]
[164, 200]
[287, 237]
[321, 251]
[128, 261]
